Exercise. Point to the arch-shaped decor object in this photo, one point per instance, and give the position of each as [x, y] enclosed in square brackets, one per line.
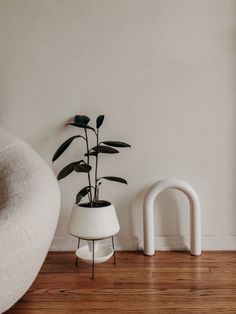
[29, 211]
[195, 214]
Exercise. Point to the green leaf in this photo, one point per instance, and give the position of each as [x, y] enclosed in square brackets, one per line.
[82, 168]
[81, 119]
[63, 147]
[105, 149]
[81, 125]
[82, 193]
[99, 121]
[116, 179]
[68, 169]
[116, 144]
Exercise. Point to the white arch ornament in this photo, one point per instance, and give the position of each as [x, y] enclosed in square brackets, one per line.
[195, 214]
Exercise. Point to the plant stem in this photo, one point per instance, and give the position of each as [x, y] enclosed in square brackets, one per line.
[96, 172]
[89, 178]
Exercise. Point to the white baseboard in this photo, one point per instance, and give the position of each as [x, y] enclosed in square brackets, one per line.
[163, 243]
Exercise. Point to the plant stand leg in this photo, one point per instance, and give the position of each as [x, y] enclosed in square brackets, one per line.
[114, 252]
[93, 262]
[76, 258]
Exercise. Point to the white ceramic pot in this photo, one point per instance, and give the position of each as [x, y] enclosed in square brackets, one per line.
[93, 222]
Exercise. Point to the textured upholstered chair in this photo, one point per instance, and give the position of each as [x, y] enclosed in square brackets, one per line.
[29, 210]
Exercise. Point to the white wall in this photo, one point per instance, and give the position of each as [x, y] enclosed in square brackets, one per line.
[164, 74]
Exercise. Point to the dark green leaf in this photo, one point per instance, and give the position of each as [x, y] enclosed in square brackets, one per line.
[68, 169]
[81, 119]
[105, 149]
[116, 179]
[63, 147]
[82, 193]
[81, 125]
[99, 121]
[82, 168]
[116, 144]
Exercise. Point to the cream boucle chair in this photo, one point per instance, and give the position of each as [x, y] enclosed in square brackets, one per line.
[29, 210]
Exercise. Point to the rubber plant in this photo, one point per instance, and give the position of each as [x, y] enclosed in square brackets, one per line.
[91, 162]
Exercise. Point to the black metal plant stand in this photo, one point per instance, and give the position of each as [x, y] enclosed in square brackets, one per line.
[93, 264]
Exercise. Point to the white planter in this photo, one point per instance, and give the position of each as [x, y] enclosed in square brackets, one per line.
[93, 222]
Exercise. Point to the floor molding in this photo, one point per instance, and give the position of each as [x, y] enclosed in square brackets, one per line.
[163, 243]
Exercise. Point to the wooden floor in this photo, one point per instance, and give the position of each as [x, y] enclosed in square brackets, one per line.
[169, 282]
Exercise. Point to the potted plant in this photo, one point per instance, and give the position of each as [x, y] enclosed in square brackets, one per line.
[93, 218]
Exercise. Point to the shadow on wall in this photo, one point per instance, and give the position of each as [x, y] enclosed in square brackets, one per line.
[53, 138]
[170, 211]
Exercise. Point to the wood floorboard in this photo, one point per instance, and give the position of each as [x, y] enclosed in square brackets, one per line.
[169, 282]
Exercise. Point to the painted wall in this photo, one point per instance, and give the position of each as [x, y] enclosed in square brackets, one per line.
[164, 74]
